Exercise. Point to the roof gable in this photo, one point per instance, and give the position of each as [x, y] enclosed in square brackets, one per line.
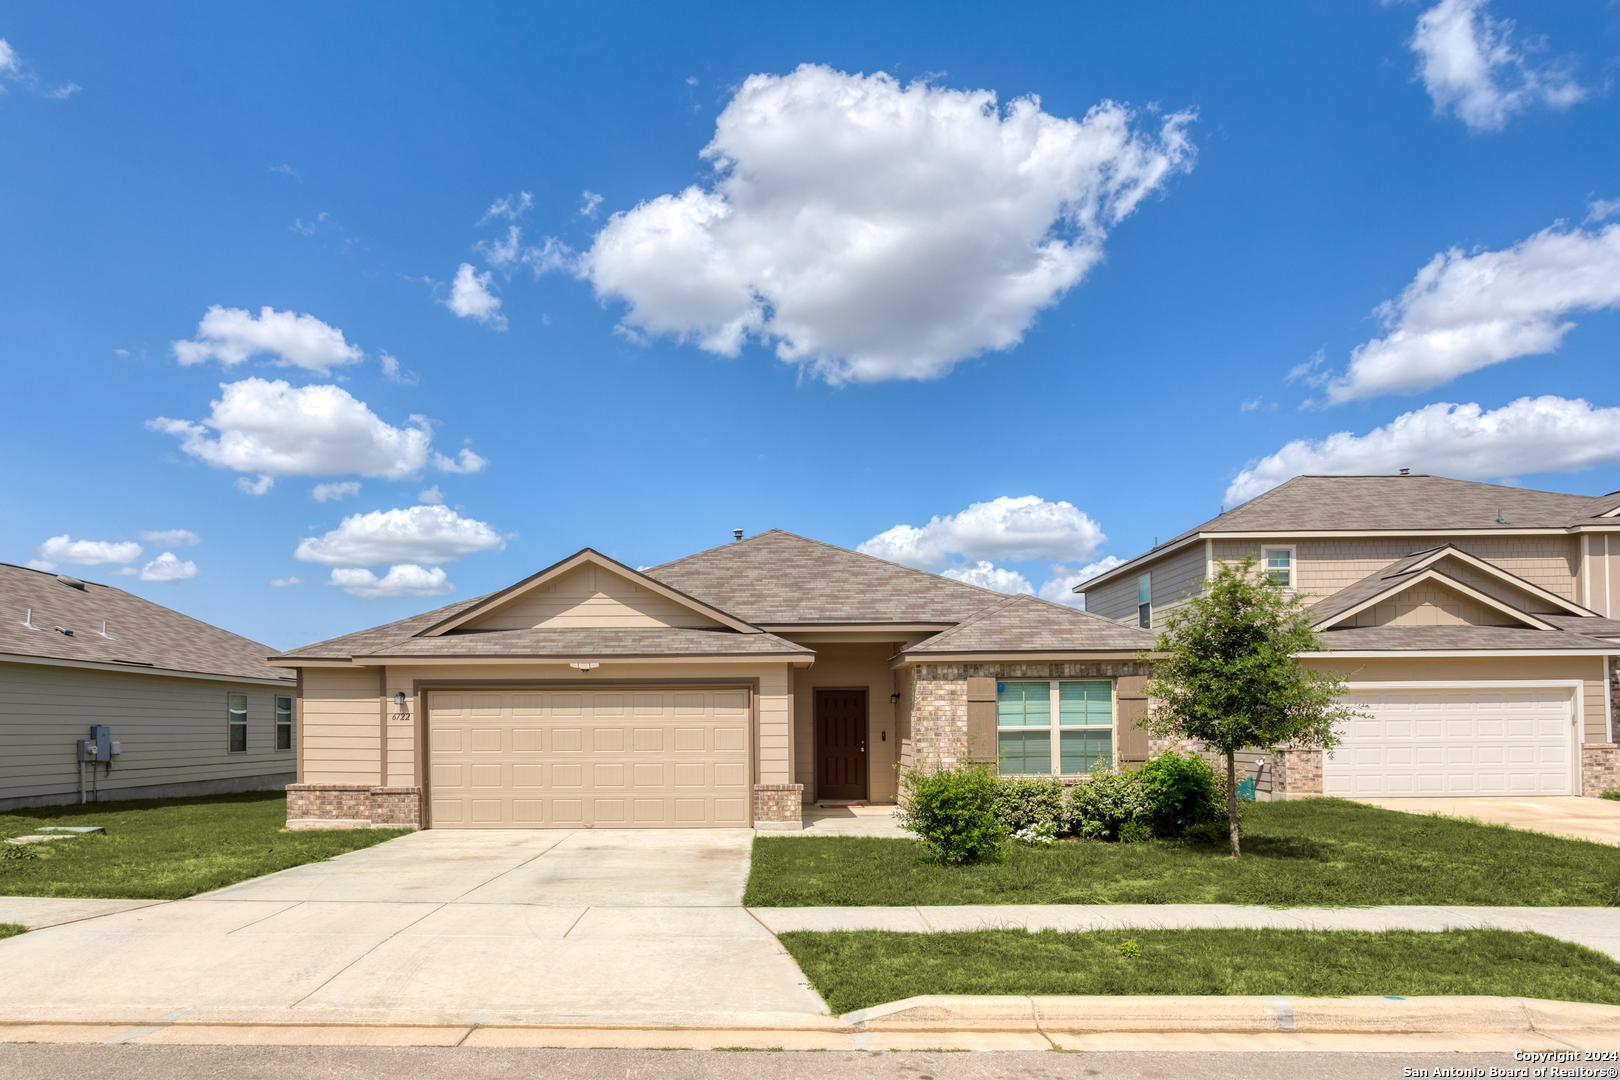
[1428, 587]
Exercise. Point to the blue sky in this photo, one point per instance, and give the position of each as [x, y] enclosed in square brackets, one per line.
[1061, 329]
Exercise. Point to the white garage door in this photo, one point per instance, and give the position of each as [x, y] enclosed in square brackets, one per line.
[1455, 742]
[636, 759]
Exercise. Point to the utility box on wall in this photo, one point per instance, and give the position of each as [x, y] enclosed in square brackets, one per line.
[99, 746]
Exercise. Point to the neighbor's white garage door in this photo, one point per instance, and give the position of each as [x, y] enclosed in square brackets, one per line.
[637, 759]
[1455, 742]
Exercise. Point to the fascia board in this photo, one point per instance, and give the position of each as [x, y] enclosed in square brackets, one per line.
[1018, 657]
[1387, 654]
[427, 659]
[139, 669]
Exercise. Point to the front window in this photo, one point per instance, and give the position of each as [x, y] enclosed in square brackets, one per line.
[236, 724]
[1280, 566]
[1033, 739]
[284, 723]
[1144, 601]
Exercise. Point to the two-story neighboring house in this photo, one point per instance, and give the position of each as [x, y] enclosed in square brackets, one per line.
[1478, 625]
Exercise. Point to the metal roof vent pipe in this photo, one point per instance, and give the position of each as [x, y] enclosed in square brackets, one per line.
[71, 582]
[1406, 472]
[736, 535]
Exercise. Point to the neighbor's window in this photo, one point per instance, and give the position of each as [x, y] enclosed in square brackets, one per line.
[1034, 740]
[1280, 566]
[1144, 600]
[236, 724]
[284, 723]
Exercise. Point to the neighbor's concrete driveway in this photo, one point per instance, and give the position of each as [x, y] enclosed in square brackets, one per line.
[593, 926]
[1584, 819]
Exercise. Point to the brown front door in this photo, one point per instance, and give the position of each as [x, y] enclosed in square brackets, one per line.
[840, 744]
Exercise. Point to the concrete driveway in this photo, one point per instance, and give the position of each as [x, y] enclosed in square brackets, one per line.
[1584, 819]
[593, 926]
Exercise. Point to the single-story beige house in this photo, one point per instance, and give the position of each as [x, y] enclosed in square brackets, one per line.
[727, 688]
[1478, 626]
[193, 709]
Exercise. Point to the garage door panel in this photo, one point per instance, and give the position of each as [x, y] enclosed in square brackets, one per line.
[649, 759]
[1436, 742]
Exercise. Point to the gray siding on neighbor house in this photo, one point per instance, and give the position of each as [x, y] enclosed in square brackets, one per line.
[1176, 577]
[172, 730]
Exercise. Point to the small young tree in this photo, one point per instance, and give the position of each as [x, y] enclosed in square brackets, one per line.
[1230, 678]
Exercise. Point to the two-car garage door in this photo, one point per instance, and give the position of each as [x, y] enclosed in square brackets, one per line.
[568, 760]
[1452, 742]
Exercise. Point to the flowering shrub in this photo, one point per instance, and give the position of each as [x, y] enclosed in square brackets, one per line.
[1042, 835]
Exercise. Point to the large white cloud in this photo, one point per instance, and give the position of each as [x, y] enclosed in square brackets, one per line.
[1006, 528]
[65, 549]
[878, 231]
[470, 298]
[406, 579]
[1464, 312]
[1060, 587]
[1471, 66]
[274, 429]
[1530, 435]
[987, 575]
[168, 567]
[418, 534]
[232, 335]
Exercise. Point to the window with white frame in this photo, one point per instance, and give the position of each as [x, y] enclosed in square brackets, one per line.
[1144, 600]
[236, 724]
[284, 723]
[1278, 565]
[1035, 739]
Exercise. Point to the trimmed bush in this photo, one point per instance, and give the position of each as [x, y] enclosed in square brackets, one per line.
[1181, 788]
[1612, 793]
[1022, 802]
[954, 813]
[1106, 803]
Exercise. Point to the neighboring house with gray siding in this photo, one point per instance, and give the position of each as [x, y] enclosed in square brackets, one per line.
[195, 709]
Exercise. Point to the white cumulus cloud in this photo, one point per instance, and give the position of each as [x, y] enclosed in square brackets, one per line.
[170, 537]
[988, 575]
[1060, 587]
[1003, 529]
[168, 567]
[275, 429]
[1471, 66]
[65, 549]
[431, 496]
[470, 298]
[1465, 312]
[286, 582]
[334, 492]
[403, 580]
[1530, 435]
[876, 231]
[419, 534]
[232, 335]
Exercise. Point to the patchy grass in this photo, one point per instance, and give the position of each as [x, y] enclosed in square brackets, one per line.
[1300, 853]
[167, 849]
[11, 929]
[856, 969]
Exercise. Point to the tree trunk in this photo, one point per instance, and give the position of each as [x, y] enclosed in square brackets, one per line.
[1231, 798]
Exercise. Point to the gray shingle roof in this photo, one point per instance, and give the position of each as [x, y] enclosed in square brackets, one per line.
[594, 641]
[1026, 624]
[366, 642]
[142, 634]
[1480, 638]
[776, 578]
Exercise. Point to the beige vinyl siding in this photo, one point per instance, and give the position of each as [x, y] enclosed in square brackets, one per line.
[340, 729]
[1430, 604]
[772, 710]
[846, 667]
[171, 729]
[590, 596]
[1600, 591]
[1588, 669]
[1325, 565]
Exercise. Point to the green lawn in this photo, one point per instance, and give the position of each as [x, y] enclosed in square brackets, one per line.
[856, 969]
[1300, 853]
[11, 929]
[166, 849]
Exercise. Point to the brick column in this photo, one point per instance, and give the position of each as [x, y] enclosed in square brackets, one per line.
[779, 806]
[353, 806]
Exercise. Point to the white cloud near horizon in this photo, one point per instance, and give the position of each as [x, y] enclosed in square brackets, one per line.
[168, 567]
[65, 549]
[875, 231]
[1464, 312]
[333, 492]
[1060, 588]
[1472, 67]
[406, 579]
[987, 575]
[1530, 435]
[233, 335]
[1005, 528]
[418, 534]
[274, 429]
[470, 298]
[169, 537]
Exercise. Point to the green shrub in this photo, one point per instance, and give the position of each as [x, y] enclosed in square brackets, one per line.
[1181, 788]
[1105, 803]
[1612, 793]
[953, 812]
[1022, 802]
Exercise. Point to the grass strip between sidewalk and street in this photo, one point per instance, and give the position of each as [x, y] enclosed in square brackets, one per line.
[1299, 853]
[167, 849]
[857, 969]
[11, 929]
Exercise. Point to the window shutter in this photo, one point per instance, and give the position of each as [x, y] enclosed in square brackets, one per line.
[1133, 707]
[981, 719]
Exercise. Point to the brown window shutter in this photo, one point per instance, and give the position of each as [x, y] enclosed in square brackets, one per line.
[1133, 707]
[981, 719]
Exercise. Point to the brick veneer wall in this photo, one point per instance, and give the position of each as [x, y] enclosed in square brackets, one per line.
[778, 805]
[311, 806]
[1297, 772]
[1600, 768]
[939, 714]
